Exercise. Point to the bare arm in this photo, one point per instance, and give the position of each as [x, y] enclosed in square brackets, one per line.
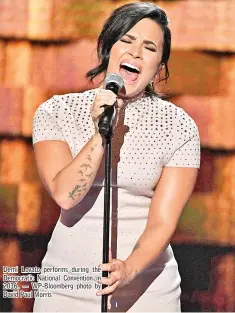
[66, 179]
[171, 195]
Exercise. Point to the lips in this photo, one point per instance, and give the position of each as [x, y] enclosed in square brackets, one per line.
[131, 66]
[130, 71]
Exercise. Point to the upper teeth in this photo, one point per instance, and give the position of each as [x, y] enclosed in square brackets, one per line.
[132, 66]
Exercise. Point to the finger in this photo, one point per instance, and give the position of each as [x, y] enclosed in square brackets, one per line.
[104, 102]
[108, 289]
[120, 103]
[110, 255]
[100, 111]
[110, 97]
[96, 108]
[108, 280]
[110, 267]
[97, 113]
[106, 92]
[109, 302]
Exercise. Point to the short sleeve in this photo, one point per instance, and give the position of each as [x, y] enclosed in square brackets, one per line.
[45, 126]
[187, 143]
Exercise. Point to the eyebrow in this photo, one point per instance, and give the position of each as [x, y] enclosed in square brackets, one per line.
[145, 41]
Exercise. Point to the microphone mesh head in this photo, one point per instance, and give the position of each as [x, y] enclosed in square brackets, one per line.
[114, 78]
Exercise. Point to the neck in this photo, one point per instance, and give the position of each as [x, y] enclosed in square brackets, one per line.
[127, 100]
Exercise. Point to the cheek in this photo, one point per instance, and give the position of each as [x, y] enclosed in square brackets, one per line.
[153, 64]
[154, 61]
[151, 70]
[117, 51]
[113, 57]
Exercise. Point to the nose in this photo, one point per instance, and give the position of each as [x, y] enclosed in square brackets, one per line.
[136, 50]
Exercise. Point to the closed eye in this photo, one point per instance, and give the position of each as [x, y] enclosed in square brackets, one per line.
[129, 42]
[151, 49]
[126, 41]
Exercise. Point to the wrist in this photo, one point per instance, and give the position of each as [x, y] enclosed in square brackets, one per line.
[131, 271]
[98, 139]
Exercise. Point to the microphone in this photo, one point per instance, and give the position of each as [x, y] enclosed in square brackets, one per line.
[113, 82]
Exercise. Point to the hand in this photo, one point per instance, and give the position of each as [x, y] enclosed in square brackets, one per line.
[103, 99]
[118, 277]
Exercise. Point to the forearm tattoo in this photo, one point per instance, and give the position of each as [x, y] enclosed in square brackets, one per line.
[86, 172]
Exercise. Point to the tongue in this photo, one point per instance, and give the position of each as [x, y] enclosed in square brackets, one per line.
[128, 75]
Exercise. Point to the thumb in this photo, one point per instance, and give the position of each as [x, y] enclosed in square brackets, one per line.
[109, 302]
[110, 256]
[120, 103]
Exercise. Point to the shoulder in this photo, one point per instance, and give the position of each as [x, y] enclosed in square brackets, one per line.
[167, 106]
[77, 98]
[181, 119]
[61, 103]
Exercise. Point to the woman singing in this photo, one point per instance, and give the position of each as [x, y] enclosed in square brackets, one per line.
[155, 160]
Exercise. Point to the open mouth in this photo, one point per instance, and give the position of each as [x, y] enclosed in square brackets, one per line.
[129, 72]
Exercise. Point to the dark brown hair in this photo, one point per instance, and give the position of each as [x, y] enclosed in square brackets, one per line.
[119, 23]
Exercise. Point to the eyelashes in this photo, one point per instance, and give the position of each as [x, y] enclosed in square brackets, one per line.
[126, 41]
[151, 49]
[129, 42]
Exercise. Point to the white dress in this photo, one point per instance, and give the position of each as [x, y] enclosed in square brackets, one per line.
[152, 134]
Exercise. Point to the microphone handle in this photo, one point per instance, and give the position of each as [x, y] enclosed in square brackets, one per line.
[105, 122]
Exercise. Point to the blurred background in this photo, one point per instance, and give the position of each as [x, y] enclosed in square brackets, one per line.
[46, 47]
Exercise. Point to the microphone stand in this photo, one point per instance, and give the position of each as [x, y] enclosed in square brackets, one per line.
[106, 130]
[106, 221]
